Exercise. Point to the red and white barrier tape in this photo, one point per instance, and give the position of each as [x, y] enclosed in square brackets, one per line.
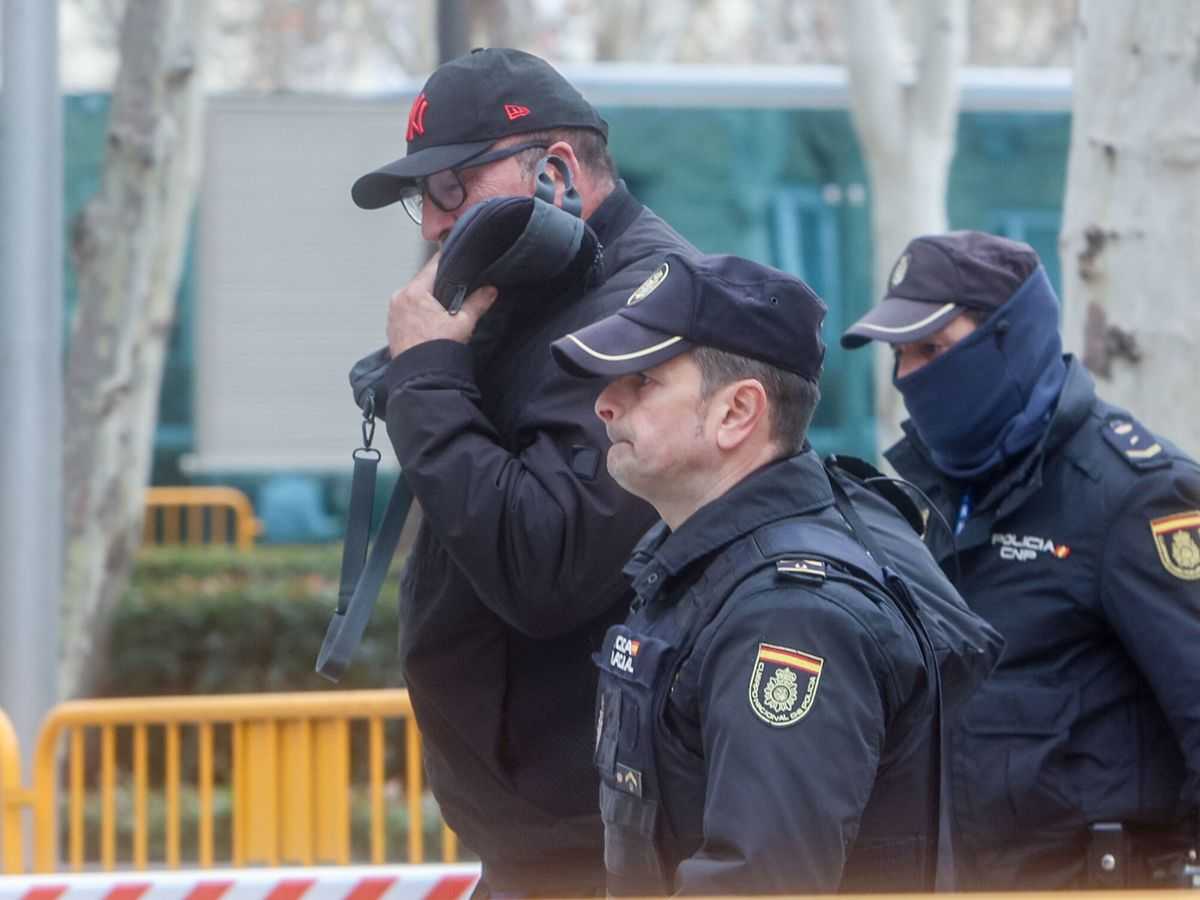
[432, 882]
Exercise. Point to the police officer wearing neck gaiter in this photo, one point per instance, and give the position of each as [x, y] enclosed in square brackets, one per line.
[1077, 535]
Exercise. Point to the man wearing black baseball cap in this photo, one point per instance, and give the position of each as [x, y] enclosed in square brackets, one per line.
[514, 576]
[1077, 535]
[766, 715]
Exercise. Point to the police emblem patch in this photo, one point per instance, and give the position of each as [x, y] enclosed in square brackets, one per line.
[1177, 538]
[649, 286]
[783, 684]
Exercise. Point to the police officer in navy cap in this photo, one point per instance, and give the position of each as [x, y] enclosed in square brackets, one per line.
[767, 716]
[1077, 535]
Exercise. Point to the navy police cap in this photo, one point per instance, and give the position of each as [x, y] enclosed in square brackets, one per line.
[725, 302]
[937, 278]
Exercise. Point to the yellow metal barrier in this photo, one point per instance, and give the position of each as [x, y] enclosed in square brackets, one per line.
[290, 777]
[12, 798]
[182, 511]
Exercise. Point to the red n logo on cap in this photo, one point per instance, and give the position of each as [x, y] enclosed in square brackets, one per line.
[416, 116]
[515, 112]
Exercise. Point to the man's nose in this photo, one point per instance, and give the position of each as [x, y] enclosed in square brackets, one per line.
[606, 405]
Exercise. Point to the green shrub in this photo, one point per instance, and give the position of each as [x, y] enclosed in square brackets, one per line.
[213, 620]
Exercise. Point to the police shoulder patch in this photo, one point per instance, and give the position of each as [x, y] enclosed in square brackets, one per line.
[783, 684]
[1134, 444]
[1177, 539]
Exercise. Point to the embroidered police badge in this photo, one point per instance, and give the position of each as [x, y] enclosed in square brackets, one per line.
[649, 286]
[783, 684]
[1177, 538]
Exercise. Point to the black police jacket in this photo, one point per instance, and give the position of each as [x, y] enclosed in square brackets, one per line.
[1086, 558]
[766, 715]
[515, 573]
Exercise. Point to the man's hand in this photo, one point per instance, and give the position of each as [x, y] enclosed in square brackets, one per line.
[415, 316]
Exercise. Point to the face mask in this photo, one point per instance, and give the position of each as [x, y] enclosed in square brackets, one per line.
[992, 394]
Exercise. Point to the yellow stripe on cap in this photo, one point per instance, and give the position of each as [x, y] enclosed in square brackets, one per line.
[621, 357]
[903, 329]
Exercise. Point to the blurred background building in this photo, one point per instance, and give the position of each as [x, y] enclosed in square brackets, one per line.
[286, 282]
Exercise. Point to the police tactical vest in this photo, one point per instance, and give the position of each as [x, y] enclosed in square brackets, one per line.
[638, 670]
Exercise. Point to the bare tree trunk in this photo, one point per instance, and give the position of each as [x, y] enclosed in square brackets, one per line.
[1130, 243]
[129, 245]
[907, 132]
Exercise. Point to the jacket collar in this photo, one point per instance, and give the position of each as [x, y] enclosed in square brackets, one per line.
[615, 213]
[791, 486]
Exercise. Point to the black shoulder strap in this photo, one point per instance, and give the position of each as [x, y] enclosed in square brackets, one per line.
[363, 573]
[940, 875]
[349, 621]
[888, 488]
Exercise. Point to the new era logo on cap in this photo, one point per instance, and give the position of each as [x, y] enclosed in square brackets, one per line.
[515, 112]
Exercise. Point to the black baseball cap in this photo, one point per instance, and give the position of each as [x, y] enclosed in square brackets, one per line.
[466, 106]
[726, 302]
[936, 278]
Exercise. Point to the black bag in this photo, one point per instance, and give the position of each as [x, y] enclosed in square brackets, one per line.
[518, 242]
[967, 647]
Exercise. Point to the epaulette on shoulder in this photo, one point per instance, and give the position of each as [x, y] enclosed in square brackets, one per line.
[1134, 443]
[811, 571]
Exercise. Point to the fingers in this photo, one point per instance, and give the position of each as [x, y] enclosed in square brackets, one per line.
[477, 303]
[423, 280]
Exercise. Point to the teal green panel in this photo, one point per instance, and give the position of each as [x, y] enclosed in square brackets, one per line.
[85, 126]
[784, 187]
[1010, 177]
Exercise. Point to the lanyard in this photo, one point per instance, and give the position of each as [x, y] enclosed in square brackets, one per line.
[964, 511]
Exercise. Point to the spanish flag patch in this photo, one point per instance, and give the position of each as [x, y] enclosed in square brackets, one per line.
[1177, 538]
[783, 684]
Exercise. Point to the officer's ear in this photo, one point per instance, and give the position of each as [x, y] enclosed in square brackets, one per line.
[740, 413]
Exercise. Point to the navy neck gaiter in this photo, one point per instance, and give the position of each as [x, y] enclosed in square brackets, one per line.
[992, 394]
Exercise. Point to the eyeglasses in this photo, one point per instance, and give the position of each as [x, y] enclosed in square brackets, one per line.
[446, 189]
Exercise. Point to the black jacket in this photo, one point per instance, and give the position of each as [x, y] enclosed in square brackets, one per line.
[765, 720]
[515, 574]
[1094, 711]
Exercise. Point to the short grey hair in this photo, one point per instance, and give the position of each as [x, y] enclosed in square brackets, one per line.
[792, 399]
